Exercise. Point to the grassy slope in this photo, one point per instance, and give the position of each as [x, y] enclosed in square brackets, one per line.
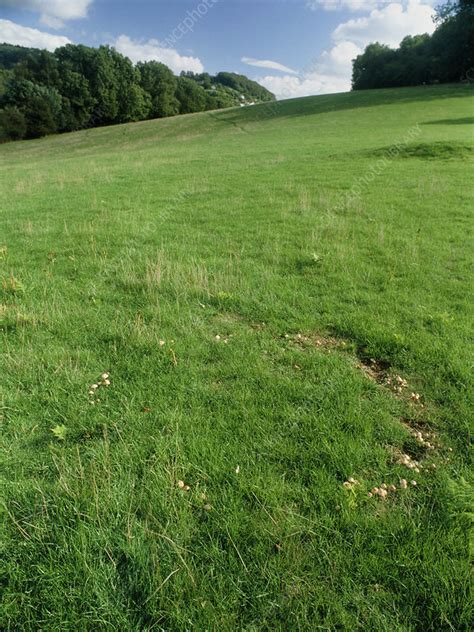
[203, 225]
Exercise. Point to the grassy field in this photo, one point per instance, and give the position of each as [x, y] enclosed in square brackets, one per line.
[281, 298]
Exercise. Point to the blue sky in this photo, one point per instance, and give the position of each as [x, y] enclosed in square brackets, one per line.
[293, 47]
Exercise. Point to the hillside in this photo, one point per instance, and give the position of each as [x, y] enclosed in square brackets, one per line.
[280, 295]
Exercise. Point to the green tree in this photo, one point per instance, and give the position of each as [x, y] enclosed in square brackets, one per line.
[204, 79]
[40, 105]
[112, 80]
[40, 119]
[414, 60]
[448, 55]
[97, 66]
[12, 124]
[39, 66]
[221, 97]
[78, 86]
[453, 40]
[251, 90]
[371, 68]
[191, 96]
[451, 9]
[133, 102]
[78, 103]
[5, 75]
[159, 82]
[11, 54]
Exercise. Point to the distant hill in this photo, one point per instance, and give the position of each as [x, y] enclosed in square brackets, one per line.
[239, 89]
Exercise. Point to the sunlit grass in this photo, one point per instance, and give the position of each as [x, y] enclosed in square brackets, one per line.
[253, 329]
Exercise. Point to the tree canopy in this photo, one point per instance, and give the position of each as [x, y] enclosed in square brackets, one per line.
[443, 57]
[79, 86]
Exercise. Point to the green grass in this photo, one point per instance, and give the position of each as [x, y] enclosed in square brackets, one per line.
[239, 224]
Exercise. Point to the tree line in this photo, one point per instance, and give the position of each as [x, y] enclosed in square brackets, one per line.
[446, 56]
[78, 87]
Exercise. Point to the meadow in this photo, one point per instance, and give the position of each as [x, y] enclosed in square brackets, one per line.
[236, 360]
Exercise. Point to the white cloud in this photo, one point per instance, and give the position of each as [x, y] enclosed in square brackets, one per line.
[331, 71]
[338, 60]
[52, 22]
[359, 6]
[264, 63]
[13, 33]
[337, 5]
[387, 26]
[289, 87]
[153, 50]
[53, 12]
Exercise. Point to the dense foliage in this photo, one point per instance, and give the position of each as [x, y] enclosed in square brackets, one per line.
[77, 87]
[10, 54]
[233, 85]
[444, 57]
[227, 89]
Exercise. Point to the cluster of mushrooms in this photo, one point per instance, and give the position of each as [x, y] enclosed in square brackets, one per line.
[94, 388]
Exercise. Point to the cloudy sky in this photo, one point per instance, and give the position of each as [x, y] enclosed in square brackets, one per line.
[293, 47]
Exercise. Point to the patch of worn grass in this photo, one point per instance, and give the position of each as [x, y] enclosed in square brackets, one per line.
[430, 151]
[206, 264]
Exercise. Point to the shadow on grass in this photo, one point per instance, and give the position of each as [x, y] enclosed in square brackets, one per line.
[468, 120]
